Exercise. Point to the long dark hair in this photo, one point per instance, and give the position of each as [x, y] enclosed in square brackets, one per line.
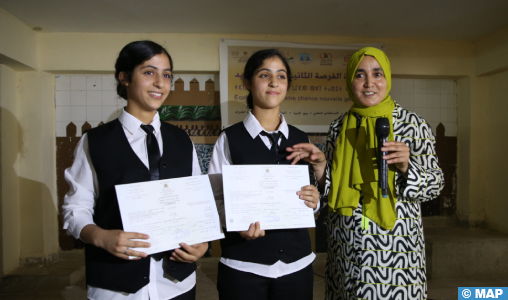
[255, 61]
[133, 54]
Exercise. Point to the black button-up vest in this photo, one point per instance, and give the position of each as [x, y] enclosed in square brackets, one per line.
[287, 245]
[116, 163]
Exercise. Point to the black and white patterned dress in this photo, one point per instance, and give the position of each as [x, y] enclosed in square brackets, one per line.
[378, 263]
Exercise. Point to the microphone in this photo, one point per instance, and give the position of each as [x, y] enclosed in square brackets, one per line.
[382, 132]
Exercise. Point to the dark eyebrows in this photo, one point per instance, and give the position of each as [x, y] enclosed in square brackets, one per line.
[153, 67]
[362, 70]
[269, 70]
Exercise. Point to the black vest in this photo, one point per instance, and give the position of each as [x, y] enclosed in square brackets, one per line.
[116, 163]
[287, 245]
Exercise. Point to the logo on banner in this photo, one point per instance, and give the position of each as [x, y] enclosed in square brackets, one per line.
[326, 59]
[244, 56]
[287, 55]
[325, 56]
[305, 58]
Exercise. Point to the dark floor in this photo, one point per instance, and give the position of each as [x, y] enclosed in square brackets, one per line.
[40, 284]
[43, 286]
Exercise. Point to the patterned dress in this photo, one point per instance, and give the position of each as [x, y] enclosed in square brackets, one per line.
[377, 263]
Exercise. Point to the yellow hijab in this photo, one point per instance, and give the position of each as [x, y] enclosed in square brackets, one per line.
[354, 166]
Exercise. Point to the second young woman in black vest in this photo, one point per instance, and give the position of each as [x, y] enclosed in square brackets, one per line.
[258, 264]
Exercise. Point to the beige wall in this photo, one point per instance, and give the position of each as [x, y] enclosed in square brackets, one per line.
[18, 43]
[28, 181]
[491, 52]
[39, 231]
[489, 125]
[27, 137]
[478, 146]
[91, 52]
[497, 163]
[9, 149]
[463, 147]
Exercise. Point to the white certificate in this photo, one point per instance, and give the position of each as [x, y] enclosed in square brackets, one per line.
[266, 193]
[170, 211]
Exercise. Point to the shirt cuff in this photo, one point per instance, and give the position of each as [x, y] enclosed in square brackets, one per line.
[316, 210]
[75, 226]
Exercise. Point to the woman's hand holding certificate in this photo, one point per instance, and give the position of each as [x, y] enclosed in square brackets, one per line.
[191, 254]
[116, 242]
[310, 195]
[253, 233]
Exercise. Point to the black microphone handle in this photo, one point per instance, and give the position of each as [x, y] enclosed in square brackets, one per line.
[383, 167]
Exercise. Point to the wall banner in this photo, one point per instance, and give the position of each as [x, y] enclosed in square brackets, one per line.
[317, 95]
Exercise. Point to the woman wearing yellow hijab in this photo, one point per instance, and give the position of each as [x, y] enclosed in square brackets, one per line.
[376, 247]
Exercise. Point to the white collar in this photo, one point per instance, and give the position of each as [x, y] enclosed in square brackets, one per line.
[131, 123]
[254, 128]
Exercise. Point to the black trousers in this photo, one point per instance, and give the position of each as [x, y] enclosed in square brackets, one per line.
[190, 295]
[237, 285]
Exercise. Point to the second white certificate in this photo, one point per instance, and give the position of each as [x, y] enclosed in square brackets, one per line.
[170, 211]
[266, 193]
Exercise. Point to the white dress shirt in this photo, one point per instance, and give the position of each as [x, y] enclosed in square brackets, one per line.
[221, 156]
[79, 205]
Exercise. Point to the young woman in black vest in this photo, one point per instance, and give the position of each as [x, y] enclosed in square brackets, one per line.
[135, 147]
[258, 264]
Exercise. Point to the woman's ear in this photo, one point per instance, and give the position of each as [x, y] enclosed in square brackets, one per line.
[123, 78]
